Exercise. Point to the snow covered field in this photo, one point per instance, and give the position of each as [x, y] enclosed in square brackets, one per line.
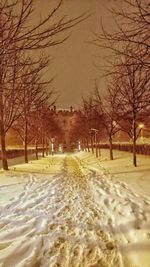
[122, 169]
[68, 211]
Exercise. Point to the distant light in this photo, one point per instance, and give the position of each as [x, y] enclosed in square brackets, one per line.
[141, 125]
[93, 129]
[79, 146]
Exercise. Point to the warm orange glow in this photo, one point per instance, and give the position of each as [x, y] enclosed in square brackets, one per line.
[141, 125]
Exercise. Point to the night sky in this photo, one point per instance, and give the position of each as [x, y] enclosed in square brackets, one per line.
[73, 63]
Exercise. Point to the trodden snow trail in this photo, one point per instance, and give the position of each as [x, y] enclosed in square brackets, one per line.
[75, 218]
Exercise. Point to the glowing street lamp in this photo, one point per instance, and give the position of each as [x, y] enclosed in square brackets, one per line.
[141, 127]
[52, 146]
[79, 146]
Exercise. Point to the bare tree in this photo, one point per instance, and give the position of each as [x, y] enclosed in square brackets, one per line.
[133, 98]
[33, 96]
[17, 37]
[9, 98]
[34, 131]
[106, 107]
[87, 125]
[20, 34]
[92, 121]
[129, 46]
[80, 131]
[131, 31]
[50, 129]
[43, 127]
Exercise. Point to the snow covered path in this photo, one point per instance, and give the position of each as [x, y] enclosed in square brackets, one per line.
[74, 218]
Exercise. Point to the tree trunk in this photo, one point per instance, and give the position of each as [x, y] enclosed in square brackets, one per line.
[26, 144]
[36, 150]
[3, 152]
[2, 132]
[99, 150]
[96, 147]
[46, 148]
[134, 147]
[88, 146]
[92, 145]
[84, 146]
[110, 148]
[25, 151]
[43, 148]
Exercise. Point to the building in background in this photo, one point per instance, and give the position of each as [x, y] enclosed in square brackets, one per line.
[65, 119]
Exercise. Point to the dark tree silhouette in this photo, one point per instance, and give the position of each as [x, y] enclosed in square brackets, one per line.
[133, 99]
[33, 96]
[106, 107]
[131, 31]
[18, 37]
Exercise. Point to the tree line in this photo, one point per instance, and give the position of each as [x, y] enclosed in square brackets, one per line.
[126, 101]
[25, 96]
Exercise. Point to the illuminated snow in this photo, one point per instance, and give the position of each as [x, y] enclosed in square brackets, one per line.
[73, 214]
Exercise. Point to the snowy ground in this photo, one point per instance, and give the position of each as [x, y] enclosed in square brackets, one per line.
[18, 160]
[70, 212]
[122, 169]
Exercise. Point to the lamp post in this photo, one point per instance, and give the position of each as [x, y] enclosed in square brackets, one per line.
[95, 135]
[141, 127]
[79, 146]
[52, 146]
